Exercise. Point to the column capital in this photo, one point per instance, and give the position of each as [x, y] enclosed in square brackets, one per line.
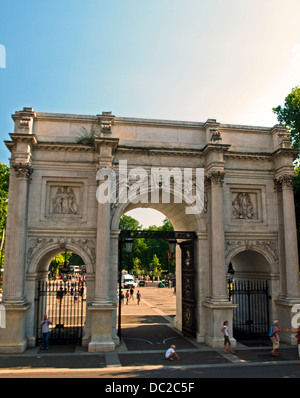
[215, 178]
[285, 181]
[22, 170]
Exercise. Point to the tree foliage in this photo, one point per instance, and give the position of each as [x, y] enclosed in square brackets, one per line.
[149, 256]
[4, 185]
[289, 115]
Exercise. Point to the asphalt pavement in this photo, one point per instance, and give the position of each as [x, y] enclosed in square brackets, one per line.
[147, 332]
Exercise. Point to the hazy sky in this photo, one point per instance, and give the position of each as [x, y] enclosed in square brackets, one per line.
[231, 60]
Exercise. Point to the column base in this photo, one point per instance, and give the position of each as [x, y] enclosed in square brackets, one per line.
[288, 315]
[12, 331]
[217, 312]
[101, 329]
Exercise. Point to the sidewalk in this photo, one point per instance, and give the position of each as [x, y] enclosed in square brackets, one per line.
[147, 332]
[78, 358]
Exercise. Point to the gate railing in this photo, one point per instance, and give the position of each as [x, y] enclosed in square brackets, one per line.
[64, 306]
[251, 316]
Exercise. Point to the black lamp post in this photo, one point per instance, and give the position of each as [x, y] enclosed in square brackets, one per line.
[172, 245]
[128, 244]
[172, 249]
[230, 278]
[65, 269]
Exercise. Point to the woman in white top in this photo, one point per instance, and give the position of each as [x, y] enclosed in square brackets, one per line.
[226, 337]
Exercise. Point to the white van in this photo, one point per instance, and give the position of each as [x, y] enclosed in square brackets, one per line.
[128, 281]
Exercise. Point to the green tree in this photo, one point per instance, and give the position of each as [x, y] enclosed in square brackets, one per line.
[297, 203]
[289, 115]
[58, 262]
[4, 185]
[145, 249]
[155, 267]
[130, 224]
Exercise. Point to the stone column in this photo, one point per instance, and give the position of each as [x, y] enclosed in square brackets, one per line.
[103, 305]
[218, 269]
[290, 236]
[13, 337]
[102, 293]
[217, 306]
[114, 250]
[16, 235]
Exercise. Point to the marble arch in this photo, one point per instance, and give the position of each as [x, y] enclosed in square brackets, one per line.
[55, 158]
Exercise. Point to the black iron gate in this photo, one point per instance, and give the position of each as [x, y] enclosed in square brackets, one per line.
[63, 303]
[188, 289]
[188, 271]
[251, 316]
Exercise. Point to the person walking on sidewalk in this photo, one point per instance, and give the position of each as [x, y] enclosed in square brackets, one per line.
[297, 333]
[226, 337]
[45, 330]
[138, 297]
[276, 329]
[131, 293]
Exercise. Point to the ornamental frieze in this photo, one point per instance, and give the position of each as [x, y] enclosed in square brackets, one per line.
[269, 248]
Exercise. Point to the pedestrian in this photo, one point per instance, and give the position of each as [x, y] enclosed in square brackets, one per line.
[131, 293]
[122, 297]
[45, 330]
[274, 336]
[226, 337]
[138, 297]
[127, 296]
[171, 354]
[76, 295]
[297, 333]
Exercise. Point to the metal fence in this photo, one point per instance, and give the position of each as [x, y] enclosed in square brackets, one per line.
[251, 316]
[64, 304]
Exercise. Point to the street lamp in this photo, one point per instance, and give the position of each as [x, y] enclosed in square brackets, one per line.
[128, 245]
[230, 279]
[172, 245]
[65, 269]
[230, 272]
[172, 249]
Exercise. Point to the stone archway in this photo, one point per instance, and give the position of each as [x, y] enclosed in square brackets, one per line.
[43, 250]
[53, 186]
[251, 290]
[176, 213]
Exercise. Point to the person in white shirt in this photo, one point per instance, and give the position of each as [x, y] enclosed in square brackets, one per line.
[45, 330]
[226, 337]
[171, 354]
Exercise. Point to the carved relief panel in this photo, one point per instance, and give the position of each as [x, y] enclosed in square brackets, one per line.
[64, 199]
[247, 204]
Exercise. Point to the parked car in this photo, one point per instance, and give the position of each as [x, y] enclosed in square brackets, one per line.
[128, 281]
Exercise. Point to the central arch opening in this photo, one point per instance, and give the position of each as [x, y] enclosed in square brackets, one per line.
[61, 295]
[150, 293]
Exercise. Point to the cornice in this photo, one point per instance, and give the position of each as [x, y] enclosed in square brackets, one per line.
[160, 151]
[60, 146]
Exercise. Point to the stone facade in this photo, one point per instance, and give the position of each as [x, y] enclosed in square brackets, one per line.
[248, 217]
